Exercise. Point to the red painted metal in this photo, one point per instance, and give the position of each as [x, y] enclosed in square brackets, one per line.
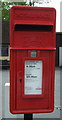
[32, 28]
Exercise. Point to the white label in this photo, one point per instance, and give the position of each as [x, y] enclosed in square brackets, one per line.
[33, 77]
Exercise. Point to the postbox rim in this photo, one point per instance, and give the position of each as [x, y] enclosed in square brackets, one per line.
[47, 8]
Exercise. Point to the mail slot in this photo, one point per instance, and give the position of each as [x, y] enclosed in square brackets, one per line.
[32, 59]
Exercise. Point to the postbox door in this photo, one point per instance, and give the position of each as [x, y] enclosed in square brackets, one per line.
[35, 99]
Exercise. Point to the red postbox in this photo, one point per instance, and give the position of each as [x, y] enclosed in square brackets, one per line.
[32, 59]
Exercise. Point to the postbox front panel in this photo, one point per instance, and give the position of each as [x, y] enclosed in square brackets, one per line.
[32, 60]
